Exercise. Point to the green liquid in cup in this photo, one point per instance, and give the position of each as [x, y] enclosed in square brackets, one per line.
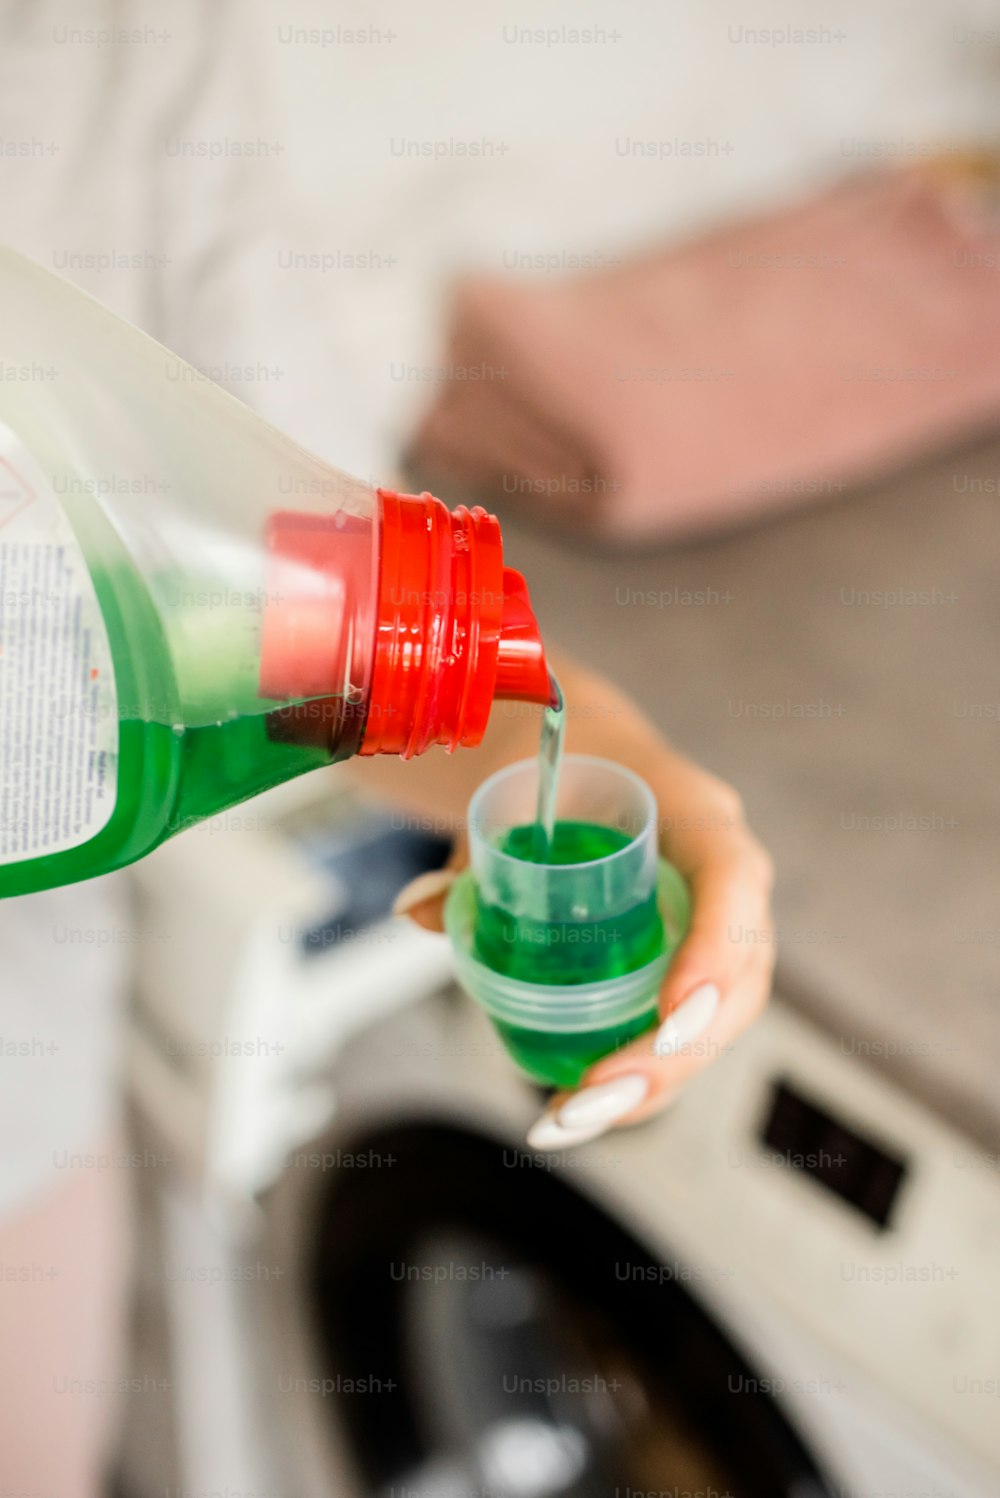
[560, 1060]
[539, 951]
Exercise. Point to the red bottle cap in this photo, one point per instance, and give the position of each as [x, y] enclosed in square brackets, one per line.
[455, 629]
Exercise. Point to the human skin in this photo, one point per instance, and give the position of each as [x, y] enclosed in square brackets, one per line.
[61, 1330]
[703, 832]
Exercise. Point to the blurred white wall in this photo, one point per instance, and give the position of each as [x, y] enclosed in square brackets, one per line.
[739, 105]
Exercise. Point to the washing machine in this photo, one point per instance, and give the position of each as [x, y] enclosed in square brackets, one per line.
[355, 1279]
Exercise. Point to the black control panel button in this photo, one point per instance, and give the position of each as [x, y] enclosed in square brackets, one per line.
[810, 1139]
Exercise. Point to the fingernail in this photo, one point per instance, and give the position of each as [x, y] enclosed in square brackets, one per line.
[546, 1133]
[425, 887]
[688, 1020]
[603, 1104]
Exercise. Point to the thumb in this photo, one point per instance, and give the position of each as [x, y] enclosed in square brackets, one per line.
[423, 898]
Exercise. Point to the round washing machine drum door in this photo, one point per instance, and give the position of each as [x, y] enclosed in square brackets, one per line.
[514, 1341]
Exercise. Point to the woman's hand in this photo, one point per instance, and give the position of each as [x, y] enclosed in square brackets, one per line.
[720, 977]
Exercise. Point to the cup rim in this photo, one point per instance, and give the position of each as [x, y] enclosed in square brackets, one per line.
[520, 765]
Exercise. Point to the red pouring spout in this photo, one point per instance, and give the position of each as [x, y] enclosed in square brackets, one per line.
[455, 629]
[522, 670]
[409, 615]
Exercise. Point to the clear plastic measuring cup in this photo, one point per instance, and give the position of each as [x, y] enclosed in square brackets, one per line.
[566, 957]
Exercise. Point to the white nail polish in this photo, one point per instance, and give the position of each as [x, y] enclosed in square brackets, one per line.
[688, 1021]
[546, 1133]
[603, 1104]
[425, 887]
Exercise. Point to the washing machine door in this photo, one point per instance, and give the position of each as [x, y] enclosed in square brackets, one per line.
[514, 1341]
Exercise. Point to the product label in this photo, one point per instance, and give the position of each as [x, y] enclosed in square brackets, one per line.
[58, 704]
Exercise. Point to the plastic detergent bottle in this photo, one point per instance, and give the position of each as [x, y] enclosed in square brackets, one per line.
[565, 924]
[193, 609]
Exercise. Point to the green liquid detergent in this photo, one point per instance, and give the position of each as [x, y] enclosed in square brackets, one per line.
[181, 756]
[564, 953]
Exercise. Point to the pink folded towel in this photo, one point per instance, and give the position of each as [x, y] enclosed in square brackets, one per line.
[770, 364]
